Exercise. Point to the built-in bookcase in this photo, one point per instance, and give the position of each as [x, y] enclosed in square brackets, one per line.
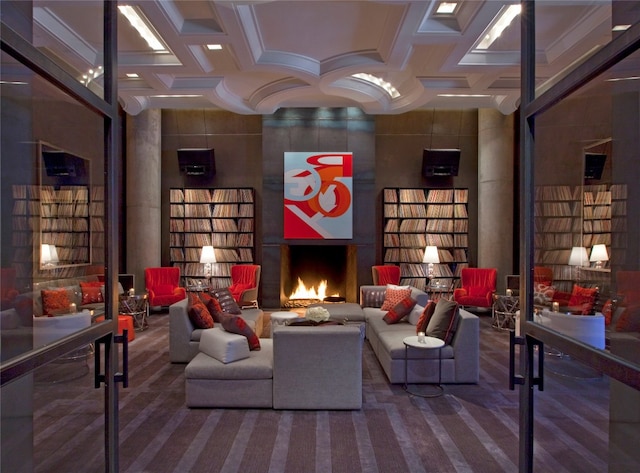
[222, 218]
[415, 218]
[568, 216]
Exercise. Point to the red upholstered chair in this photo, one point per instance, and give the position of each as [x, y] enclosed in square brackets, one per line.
[385, 274]
[245, 279]
[478, 287]
[163, 286]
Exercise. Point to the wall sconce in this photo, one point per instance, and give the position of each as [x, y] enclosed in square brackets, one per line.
[207, 257]
[48, 255]
[430, 258]
[598, 255]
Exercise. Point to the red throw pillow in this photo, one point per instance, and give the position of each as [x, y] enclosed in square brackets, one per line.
[236, 324]
[607, 309]
[393, 295]
[200, 316]
[583, 298]
[399, 310]
[213, 306]
[91, 292]
[55, 301]
[423, 321]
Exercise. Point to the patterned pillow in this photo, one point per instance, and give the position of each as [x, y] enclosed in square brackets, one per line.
[200, 316]
[91, 292]
[55, 301]
[393, 295]
[543, 294]
[370, 297]
[235, 324]
[427, 313]
[213, 306]
[583, 299]
[226, 300]
[444, 321]
[399, 310]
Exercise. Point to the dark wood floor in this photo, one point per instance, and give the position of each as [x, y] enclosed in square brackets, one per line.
[471, 428]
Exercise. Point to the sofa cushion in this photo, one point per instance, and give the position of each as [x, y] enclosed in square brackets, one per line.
[372, 297]
[543, 294]
[583, 299]
[425, 317]
[224, 346]
[415, 313]
[199, 315]
[226, 301]
[55, 301]
[91, 292]
[236, 324]
[393, 295]
[399, 311]
[443, 322]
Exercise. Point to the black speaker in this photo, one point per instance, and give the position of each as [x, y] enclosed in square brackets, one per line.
[593, 165]
[62, 164]
[440, 162]
[197, 161]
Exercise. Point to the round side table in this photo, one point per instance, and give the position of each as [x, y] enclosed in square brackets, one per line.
[429, 343]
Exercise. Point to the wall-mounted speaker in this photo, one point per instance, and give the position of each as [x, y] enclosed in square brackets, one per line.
[62, 164]
[197, 161]
[593, 165]
[440, 162]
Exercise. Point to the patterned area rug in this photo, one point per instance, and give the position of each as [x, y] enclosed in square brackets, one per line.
[472, 428]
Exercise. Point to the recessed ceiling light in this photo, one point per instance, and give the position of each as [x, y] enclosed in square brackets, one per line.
[464, 95]
[132, 75]
[177, 96]
[383, 84]
[620, 27]
[617, 79]
[499, 25]
[214, 47]
[141, 26]
[446, 8]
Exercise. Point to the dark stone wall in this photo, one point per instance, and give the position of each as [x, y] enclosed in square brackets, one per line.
[387, 152]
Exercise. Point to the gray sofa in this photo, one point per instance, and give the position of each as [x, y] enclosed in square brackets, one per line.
[184, 338]
[460, 359]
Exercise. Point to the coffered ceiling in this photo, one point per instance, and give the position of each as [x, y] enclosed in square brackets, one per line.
[305, 53]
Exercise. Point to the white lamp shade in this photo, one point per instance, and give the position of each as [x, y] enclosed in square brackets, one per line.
[431, 255]
[208, 255]
[599, 253]
[45, 254]
[578, 256]
[54, 253]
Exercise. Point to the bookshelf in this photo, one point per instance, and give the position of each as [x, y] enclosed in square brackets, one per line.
[414, 218]
[567, 216]
[223, 218]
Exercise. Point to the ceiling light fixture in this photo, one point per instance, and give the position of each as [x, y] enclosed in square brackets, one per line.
[91, 74]
[214, 47]
[503, 21]
[617, 79]
[137, 21]
[177, 96]
[620, 27]
[132, 75]
[464, 95]
[446, 8]
[383, 84]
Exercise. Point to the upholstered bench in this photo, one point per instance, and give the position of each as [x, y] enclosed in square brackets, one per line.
[226, 374]
[343, 311]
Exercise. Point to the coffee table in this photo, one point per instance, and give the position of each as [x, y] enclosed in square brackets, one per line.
[429, 343]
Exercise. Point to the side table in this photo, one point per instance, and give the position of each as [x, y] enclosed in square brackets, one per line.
[503, 313]
[136, 306]
[429, 343]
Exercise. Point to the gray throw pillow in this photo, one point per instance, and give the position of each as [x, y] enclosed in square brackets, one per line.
[444, 321]
[226, 301]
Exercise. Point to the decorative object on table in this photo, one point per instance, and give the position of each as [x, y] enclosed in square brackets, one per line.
[430, 258]
[598, 255]
[317, 314]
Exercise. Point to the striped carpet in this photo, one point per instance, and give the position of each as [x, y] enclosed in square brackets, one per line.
[472, 428]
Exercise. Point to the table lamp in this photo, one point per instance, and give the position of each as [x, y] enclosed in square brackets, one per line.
[207, 257]
[430, 257]
[598, 255]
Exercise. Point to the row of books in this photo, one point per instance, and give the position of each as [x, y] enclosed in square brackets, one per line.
[210, 195]
[426, 195]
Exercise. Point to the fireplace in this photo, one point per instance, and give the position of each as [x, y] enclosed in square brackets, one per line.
[313, 265]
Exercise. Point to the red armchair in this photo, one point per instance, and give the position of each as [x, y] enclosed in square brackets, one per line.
[245, 279]
[163, 286]
[478, 287]
[385, 274]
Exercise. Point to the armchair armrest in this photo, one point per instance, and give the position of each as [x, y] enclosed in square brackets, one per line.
[249, 295]
[459, 292]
